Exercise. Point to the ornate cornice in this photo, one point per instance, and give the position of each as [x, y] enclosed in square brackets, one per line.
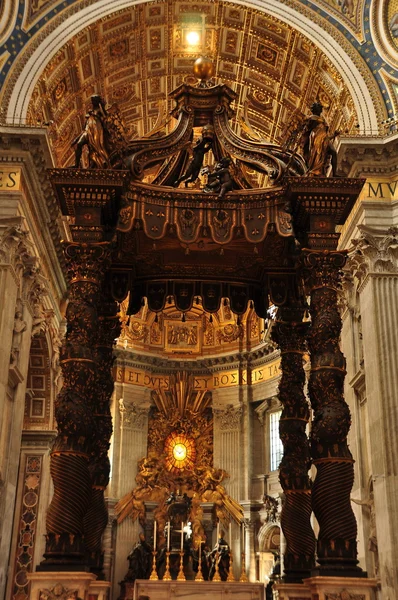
[158, 364]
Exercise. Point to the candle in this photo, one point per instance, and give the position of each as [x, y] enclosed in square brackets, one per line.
[218, 531]
[154, 535]
[243, 537]
[182, 536]
[200, 552]
[230, 534]
[168, 536]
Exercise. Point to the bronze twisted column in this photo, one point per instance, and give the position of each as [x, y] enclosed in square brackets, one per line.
[289, 333]
[96, 517]
[69, 467]
[337, 544]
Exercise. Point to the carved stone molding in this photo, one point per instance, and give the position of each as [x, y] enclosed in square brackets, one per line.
[132, 416]
[343, 595]
[58, 592]
[229, 417]
[373, 252]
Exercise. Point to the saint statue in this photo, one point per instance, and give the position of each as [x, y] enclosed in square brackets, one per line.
[140, 560]
[19, 328]
[219, 556]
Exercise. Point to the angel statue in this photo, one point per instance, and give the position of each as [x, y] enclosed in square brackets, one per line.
[318, 148]
[202, 146]
[93, 136]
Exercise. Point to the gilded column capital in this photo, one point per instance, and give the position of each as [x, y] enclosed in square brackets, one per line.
[87, 262]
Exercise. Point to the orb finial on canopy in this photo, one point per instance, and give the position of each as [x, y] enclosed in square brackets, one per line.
[203, 68]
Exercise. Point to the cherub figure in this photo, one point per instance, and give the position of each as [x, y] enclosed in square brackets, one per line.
[220, 180]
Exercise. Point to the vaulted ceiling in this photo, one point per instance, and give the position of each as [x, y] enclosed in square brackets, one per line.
[136, 57]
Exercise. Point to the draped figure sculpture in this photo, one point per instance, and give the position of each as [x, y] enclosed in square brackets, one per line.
[93, 136]
[318, 149]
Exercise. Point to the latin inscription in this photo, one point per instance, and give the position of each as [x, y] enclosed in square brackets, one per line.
[219, 380]
[10, 179]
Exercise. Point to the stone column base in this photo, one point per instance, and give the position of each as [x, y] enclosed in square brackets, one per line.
[341, 588]
[54, 584]
[99, 590]
[291, 591]
[327, 588]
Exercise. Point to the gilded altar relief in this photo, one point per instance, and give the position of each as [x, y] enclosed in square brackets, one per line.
[182, 337]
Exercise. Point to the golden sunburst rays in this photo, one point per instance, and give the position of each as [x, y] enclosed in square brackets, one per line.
[181, 396]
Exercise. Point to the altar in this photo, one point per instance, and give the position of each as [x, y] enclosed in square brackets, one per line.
[191, 590]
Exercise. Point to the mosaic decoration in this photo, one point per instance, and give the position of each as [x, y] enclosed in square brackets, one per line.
[27, 527]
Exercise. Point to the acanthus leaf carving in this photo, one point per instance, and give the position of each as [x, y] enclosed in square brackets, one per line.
[132, 416]
[373, 252]
[228, 417]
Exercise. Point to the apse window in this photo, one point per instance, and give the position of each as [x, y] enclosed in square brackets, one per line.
[276, 447]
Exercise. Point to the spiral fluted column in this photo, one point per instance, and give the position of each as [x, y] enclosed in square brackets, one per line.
[337, 544]
[74, 410]
[289, 333]
[96, 517]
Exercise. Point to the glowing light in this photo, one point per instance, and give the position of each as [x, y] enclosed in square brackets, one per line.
[193, 38]
[180, 451]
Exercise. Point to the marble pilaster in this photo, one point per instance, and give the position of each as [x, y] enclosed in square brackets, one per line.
[373, 262]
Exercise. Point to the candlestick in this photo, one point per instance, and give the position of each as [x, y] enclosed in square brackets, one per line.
[217, 576]
[182, 536]
[154, 575]
[168, 536]
[199, 575]
[154, 535]
[167, 574]
[231, 567]
[243, 577]
[181, 576]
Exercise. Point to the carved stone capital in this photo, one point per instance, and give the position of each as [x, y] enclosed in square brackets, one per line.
[132, 416]
[373, 252]
[228, 417]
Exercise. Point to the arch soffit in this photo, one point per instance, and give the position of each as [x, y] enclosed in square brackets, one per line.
[31, 64]
[267, 531]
